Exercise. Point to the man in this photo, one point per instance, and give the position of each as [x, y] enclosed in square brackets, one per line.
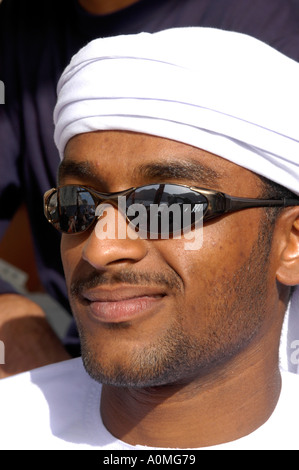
[37, 40]
[181, 345]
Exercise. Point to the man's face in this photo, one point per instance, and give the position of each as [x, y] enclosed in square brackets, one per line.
[150, 312]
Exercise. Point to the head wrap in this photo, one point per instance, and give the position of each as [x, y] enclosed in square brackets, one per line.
[224, 92]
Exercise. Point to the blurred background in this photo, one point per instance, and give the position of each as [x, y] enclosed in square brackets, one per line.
[18, 267]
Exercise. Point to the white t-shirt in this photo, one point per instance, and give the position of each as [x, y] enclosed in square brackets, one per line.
[57, 407]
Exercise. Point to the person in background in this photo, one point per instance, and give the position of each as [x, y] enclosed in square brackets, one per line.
[37, 40]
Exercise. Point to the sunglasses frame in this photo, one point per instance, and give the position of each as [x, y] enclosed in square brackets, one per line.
[219, 203]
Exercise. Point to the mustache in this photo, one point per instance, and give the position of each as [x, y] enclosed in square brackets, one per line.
[170, 281]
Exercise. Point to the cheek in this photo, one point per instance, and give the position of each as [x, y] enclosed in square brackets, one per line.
[220, 281]
[208, 273]
[71, 254]
[225, 247]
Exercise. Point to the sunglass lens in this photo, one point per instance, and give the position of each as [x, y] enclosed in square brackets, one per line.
[71, 209]
[169, 209]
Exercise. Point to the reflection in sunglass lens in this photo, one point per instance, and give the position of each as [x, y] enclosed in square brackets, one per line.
[170, 208]
[71, 209]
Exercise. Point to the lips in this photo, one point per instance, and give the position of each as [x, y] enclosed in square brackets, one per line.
[122, 304]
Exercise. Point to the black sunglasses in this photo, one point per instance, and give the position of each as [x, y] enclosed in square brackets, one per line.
[72, 209]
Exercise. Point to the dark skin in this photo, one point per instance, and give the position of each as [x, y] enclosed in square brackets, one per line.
[198, 365]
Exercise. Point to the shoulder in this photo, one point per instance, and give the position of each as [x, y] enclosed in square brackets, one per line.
[40, 406]
[63, 378]
[72, 367]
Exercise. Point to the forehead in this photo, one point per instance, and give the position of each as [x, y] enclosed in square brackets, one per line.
[128, 159]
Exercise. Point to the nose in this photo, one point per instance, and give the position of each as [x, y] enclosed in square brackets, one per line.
[112, 241]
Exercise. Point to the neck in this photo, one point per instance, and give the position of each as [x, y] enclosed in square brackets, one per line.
[105, 7]
[223, 406]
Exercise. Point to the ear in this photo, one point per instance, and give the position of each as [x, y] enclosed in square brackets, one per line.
[288, 242]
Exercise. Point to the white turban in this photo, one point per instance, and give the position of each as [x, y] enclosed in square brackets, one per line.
[224, 92]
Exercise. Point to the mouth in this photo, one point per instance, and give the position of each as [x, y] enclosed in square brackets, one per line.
[122, 304]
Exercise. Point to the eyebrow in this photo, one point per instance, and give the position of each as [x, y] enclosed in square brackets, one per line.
[184, 169]
[189, 170]
[84, 170]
